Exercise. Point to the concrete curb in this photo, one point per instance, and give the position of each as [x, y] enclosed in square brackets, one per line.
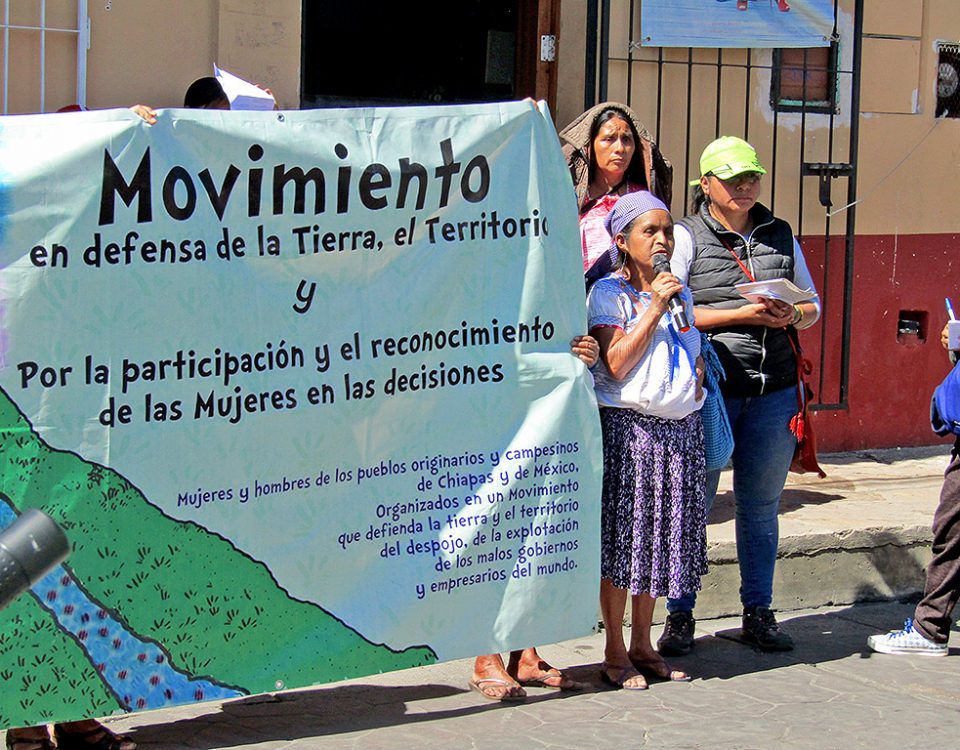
[861, 534]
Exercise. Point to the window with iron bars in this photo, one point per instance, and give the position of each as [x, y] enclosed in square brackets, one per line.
[948, 80]
[44, 53]
[804, 80]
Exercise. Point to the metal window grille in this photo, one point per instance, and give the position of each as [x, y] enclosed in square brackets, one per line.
[805, 79]
[948, 80]
[12, 31]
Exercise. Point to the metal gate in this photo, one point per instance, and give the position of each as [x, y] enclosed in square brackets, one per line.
[687, 97]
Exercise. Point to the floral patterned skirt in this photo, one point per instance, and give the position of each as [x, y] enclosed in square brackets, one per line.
[653, 528]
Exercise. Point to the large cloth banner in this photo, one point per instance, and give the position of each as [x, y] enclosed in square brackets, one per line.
[298, 388]
[731, 23]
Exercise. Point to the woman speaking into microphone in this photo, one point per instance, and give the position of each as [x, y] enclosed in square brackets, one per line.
[649, 389]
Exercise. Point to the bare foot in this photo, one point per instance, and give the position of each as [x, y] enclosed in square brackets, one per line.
[653, 665]
[620, 676]
[527, 668]
[491, 680]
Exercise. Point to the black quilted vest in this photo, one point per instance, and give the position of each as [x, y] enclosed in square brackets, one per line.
[757, 360]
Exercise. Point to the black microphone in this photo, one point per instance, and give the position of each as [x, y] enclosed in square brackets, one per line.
[30, 547]
[661, 264]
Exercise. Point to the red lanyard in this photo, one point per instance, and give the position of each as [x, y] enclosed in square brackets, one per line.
[803, 365]
[739, 262]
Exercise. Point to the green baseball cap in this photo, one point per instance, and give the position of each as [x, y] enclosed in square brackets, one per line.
[727, 157]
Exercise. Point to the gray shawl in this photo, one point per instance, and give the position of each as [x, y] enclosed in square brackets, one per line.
[648, 167]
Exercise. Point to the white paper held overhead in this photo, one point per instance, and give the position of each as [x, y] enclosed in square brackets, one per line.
[243, 94]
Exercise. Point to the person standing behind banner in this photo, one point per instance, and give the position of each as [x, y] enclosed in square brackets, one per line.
[496, 681]
[206, 93]
[650, 390]
[728, 239]
[610, 154]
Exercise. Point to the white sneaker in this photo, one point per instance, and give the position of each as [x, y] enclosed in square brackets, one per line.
[906, 641]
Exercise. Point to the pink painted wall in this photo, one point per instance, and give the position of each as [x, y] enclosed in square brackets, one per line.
[891, 376]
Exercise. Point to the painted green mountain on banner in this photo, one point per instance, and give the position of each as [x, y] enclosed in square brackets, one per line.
[192, 596]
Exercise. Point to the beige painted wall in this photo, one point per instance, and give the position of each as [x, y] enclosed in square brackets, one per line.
[149, 51]
[918, 196]
[260, 40]
[897, 124]
[571, 51]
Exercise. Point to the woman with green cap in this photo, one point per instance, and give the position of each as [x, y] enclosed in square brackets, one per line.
[730, 238]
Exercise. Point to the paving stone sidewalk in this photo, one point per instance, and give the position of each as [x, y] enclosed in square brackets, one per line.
[828, 693]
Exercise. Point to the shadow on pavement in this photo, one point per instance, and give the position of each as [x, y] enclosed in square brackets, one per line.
[417, 715]
[818, 638]
[334, 710]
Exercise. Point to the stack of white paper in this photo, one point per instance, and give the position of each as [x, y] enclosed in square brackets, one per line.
[243, 94]
[780, 289]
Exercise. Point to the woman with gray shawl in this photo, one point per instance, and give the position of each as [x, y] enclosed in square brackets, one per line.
[610, 153]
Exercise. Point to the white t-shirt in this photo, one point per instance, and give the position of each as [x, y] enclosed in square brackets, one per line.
[664, 382]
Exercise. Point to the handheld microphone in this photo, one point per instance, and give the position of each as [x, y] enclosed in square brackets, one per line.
[661, 264]
[30, 547]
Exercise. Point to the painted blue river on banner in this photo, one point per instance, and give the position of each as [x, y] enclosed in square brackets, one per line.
[138, 671]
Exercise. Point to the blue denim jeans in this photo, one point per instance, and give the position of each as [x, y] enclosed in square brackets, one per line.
[763, 449]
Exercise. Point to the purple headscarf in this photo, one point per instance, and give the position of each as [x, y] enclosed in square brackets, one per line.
[625, 210]
[629, 207]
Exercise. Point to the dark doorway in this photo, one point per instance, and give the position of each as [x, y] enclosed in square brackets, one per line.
[431, 52]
